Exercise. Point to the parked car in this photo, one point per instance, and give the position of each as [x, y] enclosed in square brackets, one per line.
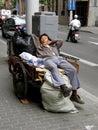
[4, 13]
[11, 24]
[2, 19]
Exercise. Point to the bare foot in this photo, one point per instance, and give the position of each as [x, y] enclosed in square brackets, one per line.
[24, 101]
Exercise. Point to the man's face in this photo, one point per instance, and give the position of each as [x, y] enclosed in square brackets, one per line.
[44, 40]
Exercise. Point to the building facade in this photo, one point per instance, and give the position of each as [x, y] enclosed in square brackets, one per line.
[81, 10]
[21, 5]
[86, 10]
[62, 10]
[93, 13]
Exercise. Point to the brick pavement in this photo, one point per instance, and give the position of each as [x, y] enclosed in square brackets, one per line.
[15, 116]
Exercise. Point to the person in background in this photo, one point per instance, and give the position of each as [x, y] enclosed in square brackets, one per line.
[49, 51]
[74, 23]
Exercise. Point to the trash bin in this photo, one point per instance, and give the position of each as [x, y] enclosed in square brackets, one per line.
[45, 22]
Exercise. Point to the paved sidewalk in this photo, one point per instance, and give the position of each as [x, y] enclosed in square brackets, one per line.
[94, 30]
[90, 29]
[15, 116]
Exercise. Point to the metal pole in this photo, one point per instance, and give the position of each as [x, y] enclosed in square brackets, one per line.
[87, 13]
[32, 6]
[71, 15]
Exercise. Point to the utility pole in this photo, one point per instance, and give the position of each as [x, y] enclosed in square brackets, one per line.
[32, 6]
[71, 16]
[87, 13]
[71, 7]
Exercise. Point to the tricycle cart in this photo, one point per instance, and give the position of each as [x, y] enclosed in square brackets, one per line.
[24, 73]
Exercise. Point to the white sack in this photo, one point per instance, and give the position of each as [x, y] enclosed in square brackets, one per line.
[53, 99]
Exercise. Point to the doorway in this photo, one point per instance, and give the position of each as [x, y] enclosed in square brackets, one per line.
[82, 12]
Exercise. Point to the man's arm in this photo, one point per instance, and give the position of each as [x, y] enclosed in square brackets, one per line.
[58, 43]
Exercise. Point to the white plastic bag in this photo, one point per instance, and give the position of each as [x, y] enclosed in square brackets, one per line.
[32, 59]
[53, 99]
[29, 57]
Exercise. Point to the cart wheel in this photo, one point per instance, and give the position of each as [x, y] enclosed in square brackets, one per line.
[20, 81]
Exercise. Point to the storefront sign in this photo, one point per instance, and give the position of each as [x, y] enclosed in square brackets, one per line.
[71, 4]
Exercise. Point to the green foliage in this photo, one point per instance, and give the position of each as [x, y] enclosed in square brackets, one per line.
[1, 5]
[11, 4]
[45, 1]
[49, 2]
[42, 1]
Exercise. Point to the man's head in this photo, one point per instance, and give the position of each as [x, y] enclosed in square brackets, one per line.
[44, 39]
[75, 16]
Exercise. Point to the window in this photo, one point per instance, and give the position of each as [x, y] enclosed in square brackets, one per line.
[63, 8]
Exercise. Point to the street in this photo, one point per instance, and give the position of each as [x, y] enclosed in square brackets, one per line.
[15, 116]
[86, 50]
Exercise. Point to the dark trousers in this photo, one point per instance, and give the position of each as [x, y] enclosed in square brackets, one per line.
[69, 34]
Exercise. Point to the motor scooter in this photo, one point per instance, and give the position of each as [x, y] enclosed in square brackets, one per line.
[75, 35]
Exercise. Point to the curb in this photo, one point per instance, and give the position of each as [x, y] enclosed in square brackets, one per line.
[86, 31]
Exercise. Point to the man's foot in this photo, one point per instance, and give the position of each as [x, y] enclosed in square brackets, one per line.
[65, 90]
[24, 101]
[67, 40]
[76, 99]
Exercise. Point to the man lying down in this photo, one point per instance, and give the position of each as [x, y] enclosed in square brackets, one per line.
[48, 57]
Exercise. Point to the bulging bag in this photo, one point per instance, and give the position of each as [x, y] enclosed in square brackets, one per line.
[32, 59]
[53, 99]
[23, 42]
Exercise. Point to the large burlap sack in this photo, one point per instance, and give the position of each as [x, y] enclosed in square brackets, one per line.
[52, 97]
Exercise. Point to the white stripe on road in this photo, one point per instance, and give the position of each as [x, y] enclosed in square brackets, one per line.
[82, 60]
[90, 42]
[88, 95]
[88, 62]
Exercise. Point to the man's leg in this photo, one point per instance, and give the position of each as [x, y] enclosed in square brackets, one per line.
[57, 80]
[69, 34]
[72, 75]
